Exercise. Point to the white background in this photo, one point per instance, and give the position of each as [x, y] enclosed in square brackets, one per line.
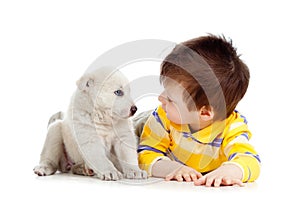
[45, 46]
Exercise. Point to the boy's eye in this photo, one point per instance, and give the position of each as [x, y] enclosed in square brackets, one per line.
[119, 92]
[169, 100]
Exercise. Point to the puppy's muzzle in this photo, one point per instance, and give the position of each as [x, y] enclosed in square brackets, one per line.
[133, 109]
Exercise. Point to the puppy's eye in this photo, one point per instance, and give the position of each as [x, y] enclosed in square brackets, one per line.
[119, 92]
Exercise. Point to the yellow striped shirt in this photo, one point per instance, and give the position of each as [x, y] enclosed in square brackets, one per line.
[205, 150]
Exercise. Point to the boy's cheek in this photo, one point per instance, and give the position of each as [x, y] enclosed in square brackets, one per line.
[174, 117]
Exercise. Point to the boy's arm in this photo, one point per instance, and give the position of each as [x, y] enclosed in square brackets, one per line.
[242, 154]
[248, 161]
[227, 174]
[162, 168]
[172, 170]
[243, 164]
[154, 141]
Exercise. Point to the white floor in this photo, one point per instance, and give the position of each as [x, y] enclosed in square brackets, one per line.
[68, 197]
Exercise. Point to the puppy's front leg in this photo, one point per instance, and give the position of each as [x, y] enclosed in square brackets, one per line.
[96, 159]
[126, 153]
[52, 151]
[93, 152]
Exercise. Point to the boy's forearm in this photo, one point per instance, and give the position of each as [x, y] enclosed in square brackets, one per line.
[251, 167]
[164, 167]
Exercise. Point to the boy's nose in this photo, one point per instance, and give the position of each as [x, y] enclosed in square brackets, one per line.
[162, 99]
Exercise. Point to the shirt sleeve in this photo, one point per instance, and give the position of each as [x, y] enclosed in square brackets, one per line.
[238, 150]
[154, 140]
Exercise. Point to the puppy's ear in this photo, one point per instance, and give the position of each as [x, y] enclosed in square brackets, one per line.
[85, 83]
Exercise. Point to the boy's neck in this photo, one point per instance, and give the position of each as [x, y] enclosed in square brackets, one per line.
[199, 126]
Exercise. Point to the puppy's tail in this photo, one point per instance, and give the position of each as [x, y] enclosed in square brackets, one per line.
[58, 116]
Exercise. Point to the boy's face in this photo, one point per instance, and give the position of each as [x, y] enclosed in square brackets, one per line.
[174, 106]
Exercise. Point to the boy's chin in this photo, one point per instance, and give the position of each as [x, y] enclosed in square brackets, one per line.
[175, 121]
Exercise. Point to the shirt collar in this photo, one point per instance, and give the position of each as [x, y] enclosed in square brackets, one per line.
[205, 135]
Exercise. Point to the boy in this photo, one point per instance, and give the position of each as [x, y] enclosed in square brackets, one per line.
[196, 134]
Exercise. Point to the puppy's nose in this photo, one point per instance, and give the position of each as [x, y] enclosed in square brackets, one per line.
[133, 109]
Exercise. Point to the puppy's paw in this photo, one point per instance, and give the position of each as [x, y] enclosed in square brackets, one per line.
[136, 174]
[109, 175]
[44, 170]
[82, 169]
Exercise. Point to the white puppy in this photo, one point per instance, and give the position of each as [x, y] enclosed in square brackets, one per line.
[95, 137]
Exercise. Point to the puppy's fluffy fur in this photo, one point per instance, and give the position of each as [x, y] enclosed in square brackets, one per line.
[95, 136]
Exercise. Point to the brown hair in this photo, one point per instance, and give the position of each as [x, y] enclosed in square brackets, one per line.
[210, 70]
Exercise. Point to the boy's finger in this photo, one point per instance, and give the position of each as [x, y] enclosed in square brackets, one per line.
[228, 181]
[194, 177]
[200, 181]
[199, 175]
[179, 177]
[169, 177]
[187, 177]
[238, 182]
[217, 182]
[209, 181]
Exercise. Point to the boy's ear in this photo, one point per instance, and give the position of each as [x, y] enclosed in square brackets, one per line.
[85, 83]
[206, 113]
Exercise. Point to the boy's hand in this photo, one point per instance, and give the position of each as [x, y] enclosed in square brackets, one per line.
[184, 173]
[227, 175]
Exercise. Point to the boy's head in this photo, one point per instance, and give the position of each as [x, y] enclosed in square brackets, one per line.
[210, 71]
